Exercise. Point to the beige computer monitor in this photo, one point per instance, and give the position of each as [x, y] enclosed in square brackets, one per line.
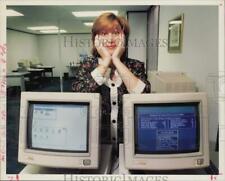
[59, 130]
[149, 146]
[165, 82]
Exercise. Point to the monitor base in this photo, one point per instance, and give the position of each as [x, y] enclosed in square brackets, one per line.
[104, 168]
[123, 170]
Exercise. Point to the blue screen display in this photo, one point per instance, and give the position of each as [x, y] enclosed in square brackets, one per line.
[166, 128]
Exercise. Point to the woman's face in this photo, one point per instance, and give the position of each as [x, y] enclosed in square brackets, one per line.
[110, 37]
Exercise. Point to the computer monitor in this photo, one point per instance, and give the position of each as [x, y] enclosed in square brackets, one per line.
[59, 130]
[165, 131]
[165, 82]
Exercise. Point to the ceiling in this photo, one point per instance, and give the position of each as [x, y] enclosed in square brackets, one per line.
[60, 16]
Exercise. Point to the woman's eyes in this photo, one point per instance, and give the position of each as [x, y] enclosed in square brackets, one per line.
[116, 32]
[106, 33]
[103, 33]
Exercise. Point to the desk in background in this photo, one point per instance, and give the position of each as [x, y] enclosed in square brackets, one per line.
[33, 72]
[47, 69]
[35, 75]
[36, 71]
[17, 79]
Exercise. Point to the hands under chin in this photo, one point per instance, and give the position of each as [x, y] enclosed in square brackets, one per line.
[118, 52]
[104, 53]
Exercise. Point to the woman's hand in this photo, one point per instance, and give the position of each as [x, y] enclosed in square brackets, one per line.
[119, 49]
[102, 51]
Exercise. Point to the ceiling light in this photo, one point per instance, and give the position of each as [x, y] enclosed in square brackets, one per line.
[11, 12]
[92, 13]
[88, 23]
[53, 31]
[43, 28]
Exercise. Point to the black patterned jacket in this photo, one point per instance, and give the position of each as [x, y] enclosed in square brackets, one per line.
[84, 82]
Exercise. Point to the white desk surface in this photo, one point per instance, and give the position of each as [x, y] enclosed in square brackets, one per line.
[34, 70]
[44, 66]
[17, 74]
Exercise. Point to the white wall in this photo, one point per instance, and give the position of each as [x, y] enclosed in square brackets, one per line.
[46, 49]
[20, 46]
[71, 46]
[153, 30]
[199, 57]
[138, 35]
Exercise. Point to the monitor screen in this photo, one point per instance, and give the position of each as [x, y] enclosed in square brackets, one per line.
[166, 128]
[58, 126]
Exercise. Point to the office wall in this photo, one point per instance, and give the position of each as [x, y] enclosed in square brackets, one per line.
[153, 30]
[46, 49]
[138, 35]
[20, 46]
[199, 57]
[71, 46]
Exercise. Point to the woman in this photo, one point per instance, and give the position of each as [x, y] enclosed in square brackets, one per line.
[110, 73]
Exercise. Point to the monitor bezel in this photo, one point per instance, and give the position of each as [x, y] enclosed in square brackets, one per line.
[163, 161]
[61, 159]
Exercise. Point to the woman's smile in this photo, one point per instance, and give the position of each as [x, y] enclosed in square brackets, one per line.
[112, 46]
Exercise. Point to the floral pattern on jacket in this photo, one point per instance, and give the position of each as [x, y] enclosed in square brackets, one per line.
[84, 82]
